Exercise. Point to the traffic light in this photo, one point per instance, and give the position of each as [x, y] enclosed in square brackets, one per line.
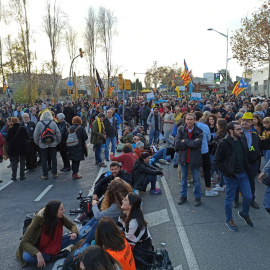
[120, 81]
[71, 91]
[81, 52]
[127, 84]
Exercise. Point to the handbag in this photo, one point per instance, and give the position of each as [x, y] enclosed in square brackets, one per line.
[266, 181]
[85, 149]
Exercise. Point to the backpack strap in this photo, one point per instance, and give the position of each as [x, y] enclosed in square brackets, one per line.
[46, 125]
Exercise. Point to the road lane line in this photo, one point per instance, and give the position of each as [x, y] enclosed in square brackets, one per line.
[6, 184]
[157, 217]
[38, 198]
[101, 171]
[192, 263]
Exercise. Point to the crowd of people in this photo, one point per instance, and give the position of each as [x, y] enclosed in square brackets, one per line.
[220, 138]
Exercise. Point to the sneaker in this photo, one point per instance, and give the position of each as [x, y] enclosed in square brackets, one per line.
[218, 188]
[13, 178]
[235, 204]
[62, 254]
[182, 200]
[44, 177]
[163, 161]
[231, 225]
[155, 192]
[254, 205]
[246, 219]
[55, 176]
[107, 159]
[175, 165]
[102, 164]
[198, 202]
[210, 193]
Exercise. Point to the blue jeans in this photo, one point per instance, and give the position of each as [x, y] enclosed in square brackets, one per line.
[113, 141]
[98, 153]
[266, 154]
[231, 186]
[91, 235]
[196, 178]
[153, 134]
[175, 158]
[167, 138]
[152, 179]
[213, 168]
[161, 154]
[266, 201]
[66, 241]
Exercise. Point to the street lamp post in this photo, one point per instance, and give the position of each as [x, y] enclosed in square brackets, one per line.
[227, 38]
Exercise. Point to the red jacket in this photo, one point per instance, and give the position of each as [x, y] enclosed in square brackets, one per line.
[127, 160]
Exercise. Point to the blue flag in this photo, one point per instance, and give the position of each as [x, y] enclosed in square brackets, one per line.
[191, 86]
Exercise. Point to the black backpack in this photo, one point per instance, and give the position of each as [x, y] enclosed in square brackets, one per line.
[47, 136]
[27, 221]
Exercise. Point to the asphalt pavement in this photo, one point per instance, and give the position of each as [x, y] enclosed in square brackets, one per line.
[195, 237]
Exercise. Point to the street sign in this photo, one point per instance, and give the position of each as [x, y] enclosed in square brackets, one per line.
[69, 83]
[127, 84]
[217, 77]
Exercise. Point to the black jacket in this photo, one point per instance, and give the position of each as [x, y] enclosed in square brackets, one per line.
[69, 114]
[17, 144]
[110, 128]
[195, 146]
[254, 153]
[30, 130]
[139, 174]
[76, 152]
[104, 181]
[214, 143]
[225, 155]
[63, 127]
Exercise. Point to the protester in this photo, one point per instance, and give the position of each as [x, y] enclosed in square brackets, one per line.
[44, 239]
[47, 148]
[144, 115]
[76, 152]
[168, 124]
[154, 122]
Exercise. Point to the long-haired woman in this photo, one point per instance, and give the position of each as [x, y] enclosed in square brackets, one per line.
[43, 239]
[133, 224]
[258, 123]
[96, 258]
[109, 237]
[110, 206]
[221, 133]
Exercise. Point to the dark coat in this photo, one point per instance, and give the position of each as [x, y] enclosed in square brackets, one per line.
[139, 174]
[104, 181]
[30, 130]
[96, 137]
[214, 143]
[110, 128]
[63, 127]
[194, 144]
[145, 113]
[69, 114]
[225, 155]
[19, 145]
[76, 152]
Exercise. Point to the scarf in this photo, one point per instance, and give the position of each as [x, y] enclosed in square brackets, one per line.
[100, 125]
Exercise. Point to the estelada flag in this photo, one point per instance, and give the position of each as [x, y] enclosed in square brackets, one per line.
[173, 80]
[111, 88]
[186, 76]
[237, 90]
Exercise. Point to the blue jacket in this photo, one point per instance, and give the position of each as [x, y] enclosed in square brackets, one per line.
[206, 136]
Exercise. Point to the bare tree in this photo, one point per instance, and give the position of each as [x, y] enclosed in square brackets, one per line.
[91, 36]
[107, 30]
[71, 41]
[54, 23]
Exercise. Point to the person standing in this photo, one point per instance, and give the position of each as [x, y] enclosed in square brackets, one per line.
[188, 143]
[31, 157]
[110, 124]
[69, 113]
[98, 136]
[63, 127]
[76, 152]
[154, 123]
[168, 125]
[46, 149]
[144, 115]
[17, 147]
[253, 140]
[231, 159]
[128, 116]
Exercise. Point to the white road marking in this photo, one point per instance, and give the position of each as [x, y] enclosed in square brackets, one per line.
[38, 198]
[6, 184]
[101, 171]
[179, 267]
[192, 263]
[157, 217]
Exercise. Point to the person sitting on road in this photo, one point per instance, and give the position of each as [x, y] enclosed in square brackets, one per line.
[110, 206]
[127, 158]
[103, 183]
[95, 257]
[109, 237]
[143, 173]
[127, 135]
[44, 239]
[137, 130]
[133, 224]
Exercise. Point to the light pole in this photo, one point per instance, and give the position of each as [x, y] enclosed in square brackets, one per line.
[227, 38]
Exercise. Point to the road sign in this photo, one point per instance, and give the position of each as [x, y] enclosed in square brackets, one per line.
[217, 77]
[127, 84]
[69, 83]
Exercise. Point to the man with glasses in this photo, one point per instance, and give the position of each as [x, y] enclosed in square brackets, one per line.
[231, 159]
[31, 156]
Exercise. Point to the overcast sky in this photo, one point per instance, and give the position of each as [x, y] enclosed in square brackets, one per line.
[164, 31]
